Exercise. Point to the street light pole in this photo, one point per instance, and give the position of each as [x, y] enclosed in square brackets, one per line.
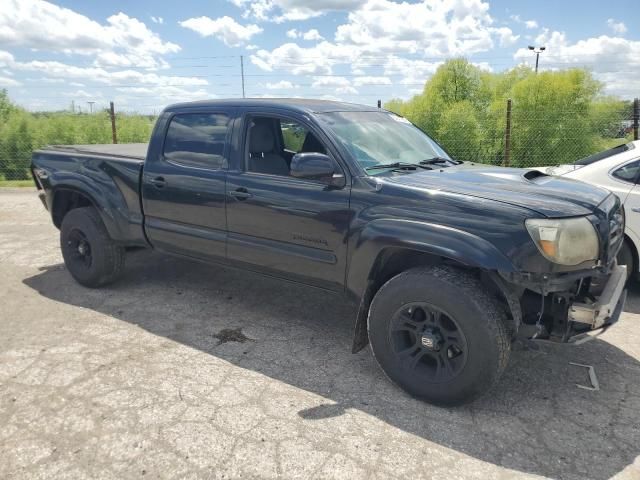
[537, 51]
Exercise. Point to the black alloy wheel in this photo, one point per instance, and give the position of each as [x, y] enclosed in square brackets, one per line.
[428, 341]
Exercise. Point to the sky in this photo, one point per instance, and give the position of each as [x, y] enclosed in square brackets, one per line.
[144, 55]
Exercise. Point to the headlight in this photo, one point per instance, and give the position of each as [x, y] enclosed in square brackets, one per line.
[568, 241]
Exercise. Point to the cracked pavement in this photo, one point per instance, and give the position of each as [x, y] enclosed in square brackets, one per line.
[184, 370]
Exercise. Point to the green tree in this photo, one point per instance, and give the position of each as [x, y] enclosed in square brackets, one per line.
[459, 121]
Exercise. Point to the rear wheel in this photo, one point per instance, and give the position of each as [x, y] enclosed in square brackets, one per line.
[439, 334]
[89, 253]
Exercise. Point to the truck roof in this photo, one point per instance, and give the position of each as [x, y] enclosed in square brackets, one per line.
[299, 104]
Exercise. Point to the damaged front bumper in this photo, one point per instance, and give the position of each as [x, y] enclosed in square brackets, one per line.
[607, 307]
[561, 307]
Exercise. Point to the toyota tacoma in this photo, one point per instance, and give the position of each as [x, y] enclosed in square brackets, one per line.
[447, 261]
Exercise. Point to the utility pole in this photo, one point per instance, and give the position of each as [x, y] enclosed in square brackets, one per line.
[507, 137]
[537, 51]
[242, 73]
[73, 106]
[636, 118]
[112, 113]
[91, 106]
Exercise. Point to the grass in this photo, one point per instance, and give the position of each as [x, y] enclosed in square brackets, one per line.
[16, 183]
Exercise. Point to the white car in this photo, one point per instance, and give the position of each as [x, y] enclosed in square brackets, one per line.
[617, 170]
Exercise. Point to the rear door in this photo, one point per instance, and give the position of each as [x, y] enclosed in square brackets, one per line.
[183, 185]
[281, 225]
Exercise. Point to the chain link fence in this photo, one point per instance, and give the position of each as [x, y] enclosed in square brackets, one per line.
[515, 135]
[528, 137]
[22, 132]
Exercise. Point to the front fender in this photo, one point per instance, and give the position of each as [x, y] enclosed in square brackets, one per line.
[424, 237]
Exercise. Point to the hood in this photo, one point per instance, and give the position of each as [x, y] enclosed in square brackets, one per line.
[561, 169]
[548, 195]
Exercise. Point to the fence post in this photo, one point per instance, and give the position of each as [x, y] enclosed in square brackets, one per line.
[636, 117]
[507, 137]
[112, 113]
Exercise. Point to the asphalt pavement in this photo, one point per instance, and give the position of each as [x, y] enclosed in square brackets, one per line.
[185, 370]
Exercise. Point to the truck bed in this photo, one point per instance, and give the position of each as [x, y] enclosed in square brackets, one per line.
[107, 174]
[134, 151]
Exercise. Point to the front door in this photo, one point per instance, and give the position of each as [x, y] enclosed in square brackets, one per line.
[278, 224]
[183, 186]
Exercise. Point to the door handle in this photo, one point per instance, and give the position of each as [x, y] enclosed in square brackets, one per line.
[241, 194]
[637, 210]
[158, 182]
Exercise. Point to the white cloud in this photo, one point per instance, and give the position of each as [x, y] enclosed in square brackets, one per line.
[413, 72]
[40, 25]
[312, 34]
[81, 94]
[613, 60]
[224, 28]
[506, 36]
[431, 28]
[9, 82]
[330, 82]
[58, 70]
[158, 20]
[251, 47]
[292, 10]
[281, 85]
[359, 81]
[318, 59]
[530, 24]
[617, 27]
[380, 31]
[162, 94]
[338, 85]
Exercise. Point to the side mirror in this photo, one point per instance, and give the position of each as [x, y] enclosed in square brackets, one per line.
[316, 166]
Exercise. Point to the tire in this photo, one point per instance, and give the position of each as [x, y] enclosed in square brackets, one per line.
[625, 257]
[465, 347]
[89, 253]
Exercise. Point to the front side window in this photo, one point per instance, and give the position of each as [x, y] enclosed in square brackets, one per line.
[197, 140]
[628, 172]
[272, 142]
[380, 138]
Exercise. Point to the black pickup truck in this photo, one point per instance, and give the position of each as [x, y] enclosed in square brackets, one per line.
[448, 261]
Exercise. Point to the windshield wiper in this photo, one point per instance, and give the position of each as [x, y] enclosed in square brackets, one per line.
[398, 165]
[438, 160]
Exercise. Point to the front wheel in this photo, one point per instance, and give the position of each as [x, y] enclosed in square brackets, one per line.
[439, 334]
[89, 253]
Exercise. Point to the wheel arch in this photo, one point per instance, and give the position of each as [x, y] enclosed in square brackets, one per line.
[420, 247]
[65, 199]
[633, 247]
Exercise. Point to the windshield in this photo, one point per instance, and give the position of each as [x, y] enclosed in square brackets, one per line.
[596, 157]
[375, 139]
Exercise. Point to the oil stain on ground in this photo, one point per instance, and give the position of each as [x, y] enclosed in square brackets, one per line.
[231, 335]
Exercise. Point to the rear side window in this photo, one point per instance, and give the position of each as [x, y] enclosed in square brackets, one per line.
[628, 172]
[197, 140]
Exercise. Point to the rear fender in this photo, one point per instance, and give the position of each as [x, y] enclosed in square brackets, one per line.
[116, 201]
